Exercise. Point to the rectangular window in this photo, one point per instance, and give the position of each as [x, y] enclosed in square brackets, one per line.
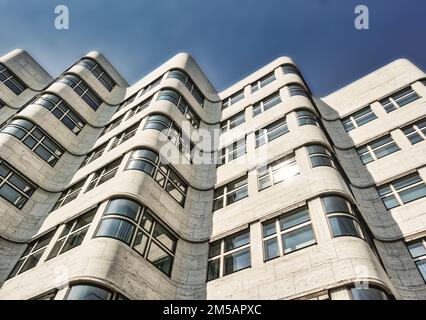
[229, 255]
[13, 186]
[11, 80]
[126, 102]
[255, 86]
[231, 152]
[32, 254]
[35, 139]
[69, 194]
[233, 122]
[61, 110]
[271, 132]
[377, 149]
[149, 87]
[82, 89]
[399, 99]
[104, 174]
[266, 103]
[140, 107]
[276, 172]
[297, 90]
[402, 191]
[417, 250]
[232, 192]
[95, 154]
[416, 132]
[112, 125]
[72, 234]
[124, 136]
[358, 119]
[99, 73]
[238, 96]
[294, 232]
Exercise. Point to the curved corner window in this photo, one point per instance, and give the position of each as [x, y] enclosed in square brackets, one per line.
[341, 216]
[320, 156]
[36, 139]
[306, 117]
[187, 81]
[99, 72]
[183, 106]
[92, 292]
[370, 293]
[82, 89]
[289, 69]
[297, 90]
[149, 162]
[11, 80]
[136, 225]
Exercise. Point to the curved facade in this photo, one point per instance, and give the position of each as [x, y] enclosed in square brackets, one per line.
[167, 189]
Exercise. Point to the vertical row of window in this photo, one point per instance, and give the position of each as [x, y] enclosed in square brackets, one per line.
[183, 106]
[14, 187]
[61, 110]
[99, 72]
[11, 80]
[82, 89]
[389, 104]
[186, 80]
[35, 139]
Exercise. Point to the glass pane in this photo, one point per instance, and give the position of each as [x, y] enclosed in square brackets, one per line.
[344, 226]
[124, 207]
[74, 240]
[422, 268]
[368, 294]
[417, 249]
[271, 248]
[213, 269]
[236, 195]
[294, 218]
[164, 237]
[414, 193]
[115, 228]
[214, 249]
[319, 161]
[236, 261]
[298, 239]
[336, 204]
[86, 292]
[140, 243]
[160, 258]
[269, 228]
[390, 202]
[240, 239]
[32, 261]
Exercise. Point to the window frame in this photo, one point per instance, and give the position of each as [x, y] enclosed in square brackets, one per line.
[263, 81]
[11, 81]
[227, 124]
[76, 82]
[263, 133]
[227, 191]
[354, 117]
[267, 171]
[417, 131]
[232, 151]
[95, 67]
[273, 99]
[391, 102]
[419, 258]
[371, 151]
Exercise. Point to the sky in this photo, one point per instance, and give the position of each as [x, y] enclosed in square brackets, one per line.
[229, 39]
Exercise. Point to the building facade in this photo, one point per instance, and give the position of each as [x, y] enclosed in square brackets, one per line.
[168, 189]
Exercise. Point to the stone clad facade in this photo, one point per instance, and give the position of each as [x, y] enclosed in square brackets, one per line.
[168, 189]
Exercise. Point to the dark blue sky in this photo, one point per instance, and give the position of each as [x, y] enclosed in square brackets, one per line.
[229, 39]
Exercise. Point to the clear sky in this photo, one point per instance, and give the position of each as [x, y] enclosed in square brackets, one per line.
[229, 38]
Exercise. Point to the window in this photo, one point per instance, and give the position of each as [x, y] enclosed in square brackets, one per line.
[72, 234]
[124, 135]
[95, 154]
[11, 80]
[182, 105]
[32, 254]
[231, 152]
[92, 292]
[35, 139]
[341, 217]
[138, 108]
[297, 90]
[13, 186]
[172, 131]
[417, 250]
[276, 172]
[47, 296]
[305, 117]
[229, 255]
[402, 191]
[82, 89]
[319, 156]
[61, 110]
[266, 104]
[358, 119]
[136, 225]
[416, 132]
[69, 194]
[271, 132]
[232, 192]
[126, 102]
[370, 293]
[149, 87]
[104, 174]
[288, 69]
[186, 80]
[399, 99]
[149, 162]
[112, 125]
[233, 122]
[255, 86]
[377, 149]
[99, 72]
[238, 96]
[294, 232]
[2, 104]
